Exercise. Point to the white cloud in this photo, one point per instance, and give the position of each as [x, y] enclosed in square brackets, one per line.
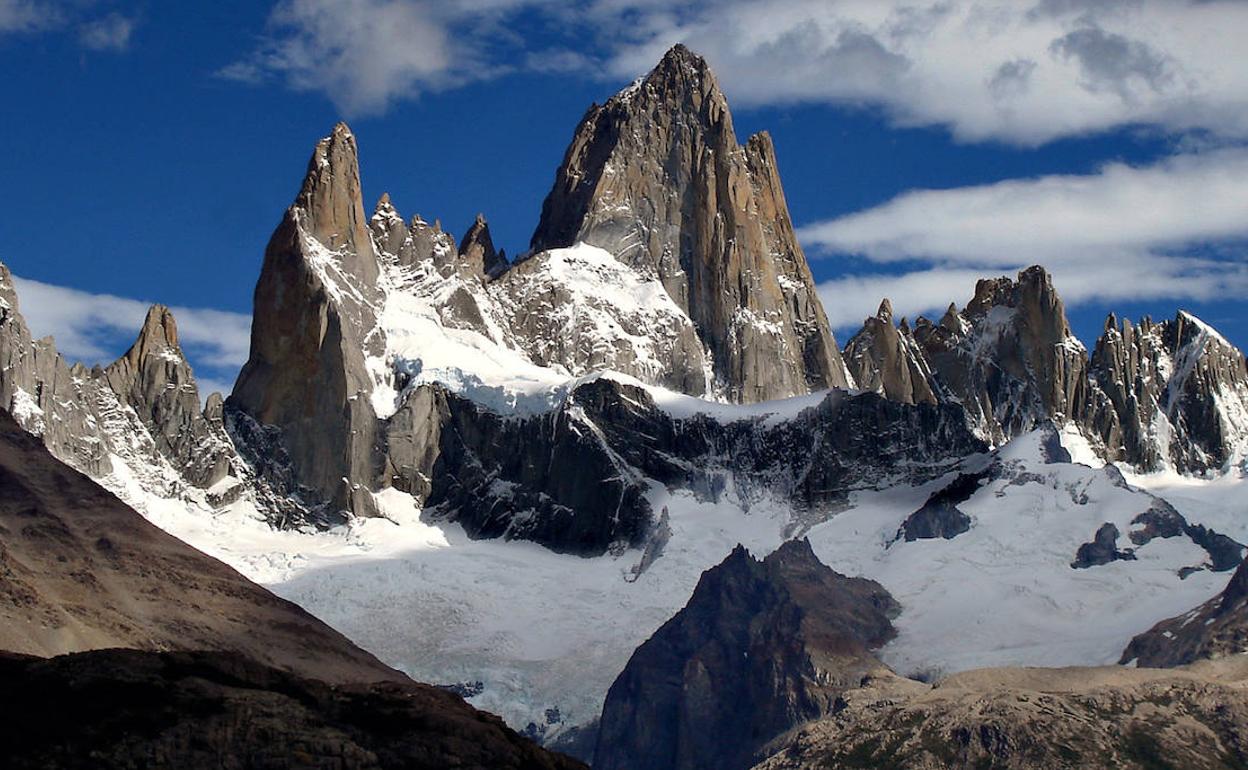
[363, 54]
[108, 33]
[850, 299]
[98, 328]
[1175, 230]
[1022, 72]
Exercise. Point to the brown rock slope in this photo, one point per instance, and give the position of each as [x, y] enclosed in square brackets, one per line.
[80, 570]
[1035, 719]
[127, 709]
[221, 673]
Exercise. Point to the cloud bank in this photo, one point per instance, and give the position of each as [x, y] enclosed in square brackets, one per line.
[98, 328]
[1024, 73]
[1175, 229]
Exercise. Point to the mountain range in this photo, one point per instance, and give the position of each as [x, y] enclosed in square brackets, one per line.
[504, 475]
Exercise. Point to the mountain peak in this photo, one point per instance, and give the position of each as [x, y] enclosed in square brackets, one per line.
[477, 247]
[679, 59]
[885, 313]
[159, 328]
[727, 260]
[330, 197]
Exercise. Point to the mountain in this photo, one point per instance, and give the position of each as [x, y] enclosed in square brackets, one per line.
[774, 662]
[761, 647]
[1009, 358]
[80, 570]
[1154, 395]
[386, 356]
[314, 322]
[886, 359]
[415, 402]
[180, 660]
[1178, 391]
[137, 421]
[656, 178]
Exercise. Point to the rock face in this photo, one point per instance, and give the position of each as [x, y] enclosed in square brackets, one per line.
[1216, 629]
[761, 647]
[1171, 394]
[477, 248]
[575, 479]
[45, 394]
[124, 708]
[154, 380]
[1009, 358]
[656, 178]
[1177, 394]
[80, 570]
[887, 359]
[142, 409]
[1034, 719]
[315, 320]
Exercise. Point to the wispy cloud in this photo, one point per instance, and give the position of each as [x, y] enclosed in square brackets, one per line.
[109, 33]
[363, 54]
[1175, 229]
[97, 328]
[28, 15]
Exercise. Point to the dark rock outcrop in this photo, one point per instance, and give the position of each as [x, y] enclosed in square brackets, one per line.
[655, 177]
[761, 647]
[1102, 549]
[575, 479]
[314, 322]
[1215, 629]
[1164, 521]
[940, 515]
[125, 709]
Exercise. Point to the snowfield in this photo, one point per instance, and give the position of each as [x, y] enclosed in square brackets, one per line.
[545, 634]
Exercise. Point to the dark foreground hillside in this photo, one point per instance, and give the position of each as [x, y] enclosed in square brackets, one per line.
[127, 708]
[219, 672]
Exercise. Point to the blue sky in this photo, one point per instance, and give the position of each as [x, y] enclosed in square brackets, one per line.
[152, 147]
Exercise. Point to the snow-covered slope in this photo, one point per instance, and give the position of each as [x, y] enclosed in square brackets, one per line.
[514, 342]
[545, 634]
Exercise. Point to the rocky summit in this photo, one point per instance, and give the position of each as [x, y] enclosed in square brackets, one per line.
[1154, 395]
[762, 646]
[655, 176]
